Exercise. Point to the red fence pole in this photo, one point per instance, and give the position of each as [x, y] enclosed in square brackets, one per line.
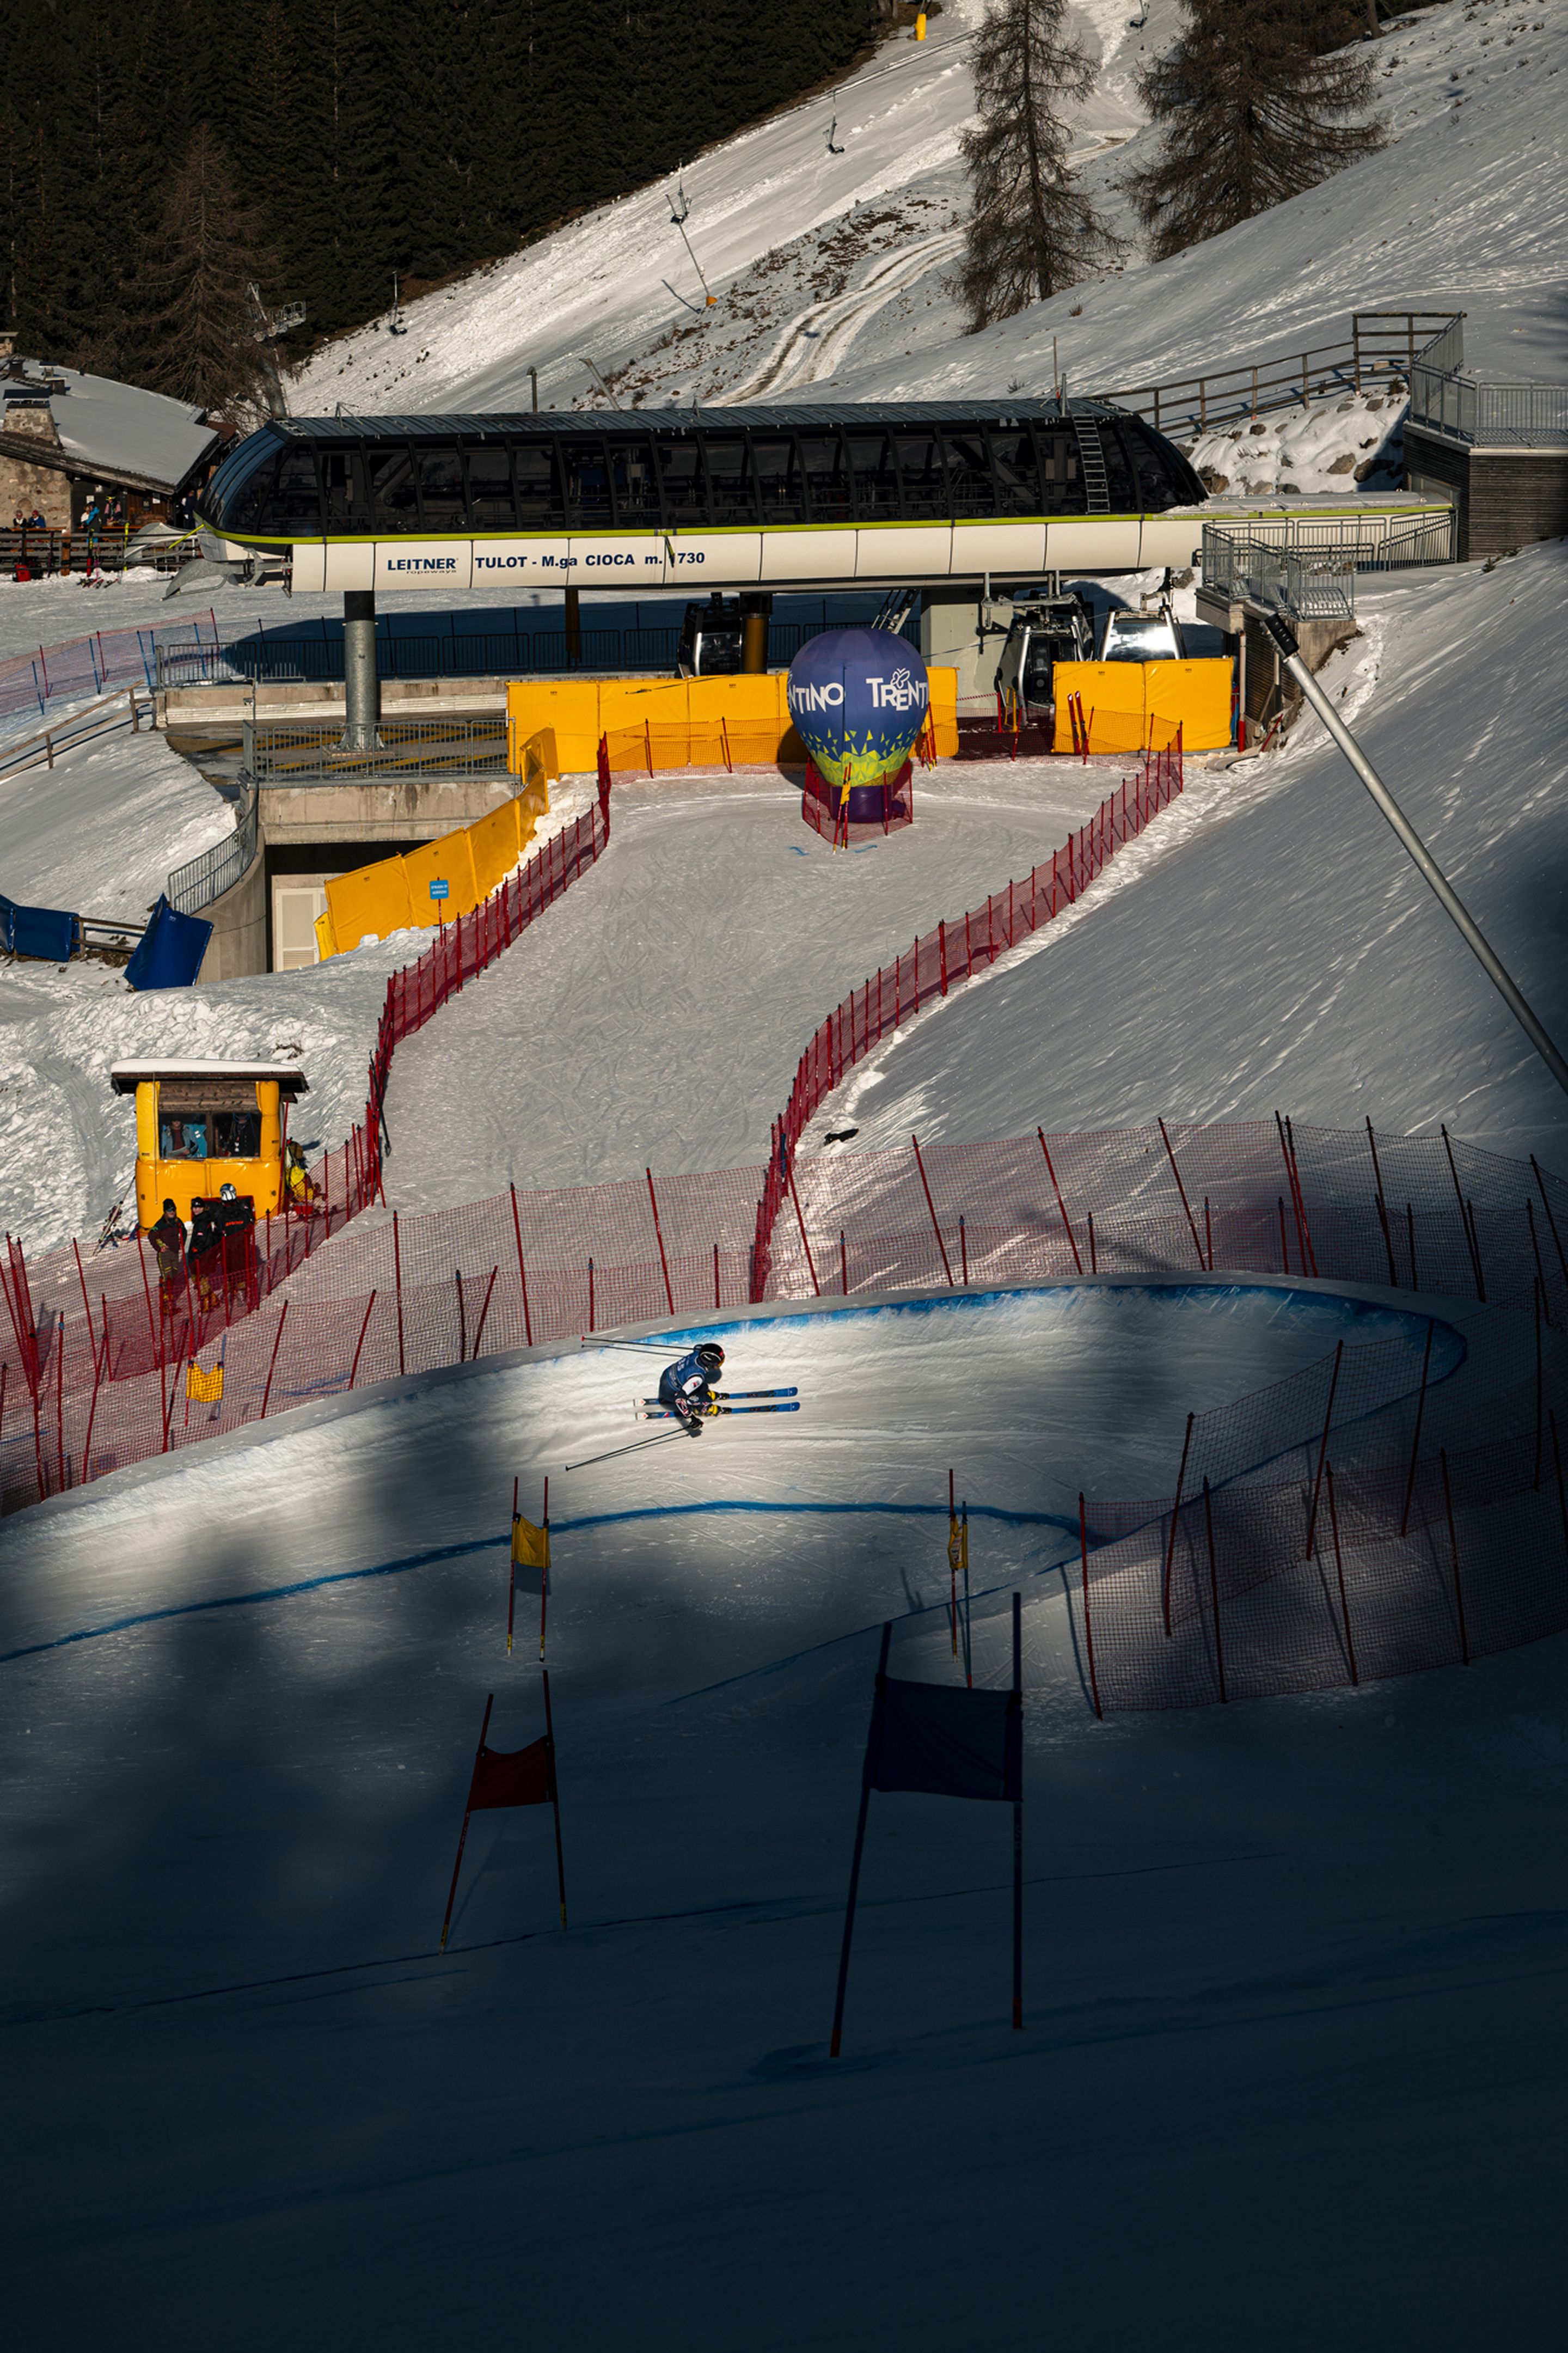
[1186, 1203]
[1323, 1449]
[1175, 1515]
[1340, 1573]
[659, 1235]
[930, 1204]
[272, 1368]
[1088, 1628]
[1061, 1205]
[522, 1272]
[397, 1278]
[1454, 1549]
[1416, 1441]
[1213, 1589]
[804, 1244]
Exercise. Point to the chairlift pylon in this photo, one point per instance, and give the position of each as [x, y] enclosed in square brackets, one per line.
[831, 129]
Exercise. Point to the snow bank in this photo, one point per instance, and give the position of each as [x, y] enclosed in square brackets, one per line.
[1285, 953]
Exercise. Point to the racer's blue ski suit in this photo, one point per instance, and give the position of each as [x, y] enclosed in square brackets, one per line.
[674, 1394]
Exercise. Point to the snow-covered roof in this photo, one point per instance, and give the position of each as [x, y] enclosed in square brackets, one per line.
[125, 1077]
[115, 429]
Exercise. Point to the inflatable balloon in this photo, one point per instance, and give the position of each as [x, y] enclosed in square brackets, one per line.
[858, 700]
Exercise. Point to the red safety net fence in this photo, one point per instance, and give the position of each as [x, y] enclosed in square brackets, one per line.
[84, 1381]
[1395, 1506]
[949, 955]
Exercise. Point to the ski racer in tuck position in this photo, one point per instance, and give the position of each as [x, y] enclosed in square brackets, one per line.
[685, 1387]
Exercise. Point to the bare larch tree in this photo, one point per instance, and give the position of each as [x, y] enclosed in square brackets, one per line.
[196, 328]
[1250, 112]
[1031, 231]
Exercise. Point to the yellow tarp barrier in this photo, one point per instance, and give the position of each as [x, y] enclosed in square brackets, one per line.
[1196, 696]
[495, 843]
[569, 707]
[755, 716]
[394, 894]
[943, 687]
[1134, 706]
[447, 859]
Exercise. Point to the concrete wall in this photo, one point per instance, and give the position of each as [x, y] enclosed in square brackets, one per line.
[195, 707]
[396, 809]
[239, 943]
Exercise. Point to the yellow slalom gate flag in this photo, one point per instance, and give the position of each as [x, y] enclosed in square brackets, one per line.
[203, 1389]
[530, 1545]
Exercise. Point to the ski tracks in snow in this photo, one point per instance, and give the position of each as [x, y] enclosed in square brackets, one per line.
[814, 343]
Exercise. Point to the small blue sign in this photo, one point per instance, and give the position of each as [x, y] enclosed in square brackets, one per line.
[439, 889]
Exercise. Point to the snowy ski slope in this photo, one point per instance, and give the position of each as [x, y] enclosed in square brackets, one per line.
[1467, 205]
[1289, 955]
[1281, 1960]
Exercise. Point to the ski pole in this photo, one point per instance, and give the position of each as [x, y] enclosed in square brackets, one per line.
[642, 1346]
[635, 1447]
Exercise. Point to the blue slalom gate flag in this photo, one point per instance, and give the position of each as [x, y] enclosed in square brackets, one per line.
[946, 1741]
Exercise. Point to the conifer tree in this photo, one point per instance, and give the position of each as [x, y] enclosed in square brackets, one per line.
[192, 329]
[1250, 112]
[1031, 231]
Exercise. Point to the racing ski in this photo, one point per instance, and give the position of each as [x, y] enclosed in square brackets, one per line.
[729, 1397]
[662, 1413]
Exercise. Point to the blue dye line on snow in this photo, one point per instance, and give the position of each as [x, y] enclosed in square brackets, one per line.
[490, 1544]
[1287, 1297]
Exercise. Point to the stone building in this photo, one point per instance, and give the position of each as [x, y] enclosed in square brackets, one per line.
[66, 438]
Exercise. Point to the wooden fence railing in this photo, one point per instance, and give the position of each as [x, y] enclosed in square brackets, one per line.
[1381, 344]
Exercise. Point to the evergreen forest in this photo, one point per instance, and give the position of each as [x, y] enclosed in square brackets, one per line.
[340, 140]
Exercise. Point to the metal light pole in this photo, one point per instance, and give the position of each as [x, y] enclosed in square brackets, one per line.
[1285, 637]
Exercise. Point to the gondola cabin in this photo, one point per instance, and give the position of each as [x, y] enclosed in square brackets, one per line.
[202, 1125]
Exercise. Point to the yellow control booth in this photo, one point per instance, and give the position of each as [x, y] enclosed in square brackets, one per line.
[202, 1125]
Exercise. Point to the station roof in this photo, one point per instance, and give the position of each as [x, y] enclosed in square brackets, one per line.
[103, 431]
[868, 416]
[126, 1077]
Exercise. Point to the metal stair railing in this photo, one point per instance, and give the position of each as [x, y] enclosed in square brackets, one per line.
[192, 887]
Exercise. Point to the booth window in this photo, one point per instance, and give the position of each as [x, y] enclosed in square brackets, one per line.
[632, 484]
[539, 502]
[827, 477]
[184, 1139]
[235, 1135]
[296, 503]
[681, 469]
[775, 470]
[392, 489]
[922, 490]
[489, 487]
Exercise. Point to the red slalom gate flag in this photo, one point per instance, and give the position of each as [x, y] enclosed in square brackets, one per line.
[510, 1776]
[944, 1741]
[513, 1777]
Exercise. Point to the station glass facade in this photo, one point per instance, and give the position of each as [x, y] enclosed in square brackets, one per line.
[310, 477]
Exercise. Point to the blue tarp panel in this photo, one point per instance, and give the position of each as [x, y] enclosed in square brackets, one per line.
[37, 931]
[170, 951]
